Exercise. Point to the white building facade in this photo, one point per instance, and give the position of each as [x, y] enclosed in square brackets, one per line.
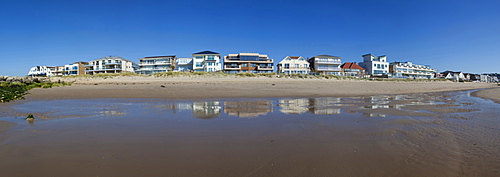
[207, 61]
[293, 65]
[111, 64]
[156, 64]
[410, 70]
[183, 64]
[375, 66]
[325, 64]
[42, 71]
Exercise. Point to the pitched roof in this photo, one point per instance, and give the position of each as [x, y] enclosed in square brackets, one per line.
[205, 52]
[294, 57]
[351, 65]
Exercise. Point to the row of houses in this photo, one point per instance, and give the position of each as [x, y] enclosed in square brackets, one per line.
[209, 61]
[459, 76]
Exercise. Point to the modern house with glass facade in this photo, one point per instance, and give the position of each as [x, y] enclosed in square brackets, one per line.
[76, 68]
[111, 64]
[156, 64]
[248, 62]
[206, 61]
[375, 66]
[325, 64]
[293, 65]
[410, 70]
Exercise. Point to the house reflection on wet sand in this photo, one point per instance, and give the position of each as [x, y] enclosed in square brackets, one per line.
[201, 110]
[248, 109]
[321, 106]
[370, 106]
[206, 109]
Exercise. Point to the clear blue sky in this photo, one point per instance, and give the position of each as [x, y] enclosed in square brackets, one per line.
[447, 35]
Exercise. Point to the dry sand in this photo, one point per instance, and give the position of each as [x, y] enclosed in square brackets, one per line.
[230, 87]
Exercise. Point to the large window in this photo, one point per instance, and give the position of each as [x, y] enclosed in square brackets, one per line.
[211, 57]
[287, 66]
[249, 58]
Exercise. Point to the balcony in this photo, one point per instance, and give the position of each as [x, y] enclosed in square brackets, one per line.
[155, 63]
[328, 69]
[265, 68]
[328, 61]
[248, 61]
[112, 63]
[155, 68]
[232, 67]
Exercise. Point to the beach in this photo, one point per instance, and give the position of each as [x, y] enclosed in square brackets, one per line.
[492, 94]
[234, 87]
[251, 126]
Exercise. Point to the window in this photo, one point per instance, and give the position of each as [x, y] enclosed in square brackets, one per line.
[287, 66]
[253, 65]
[199, 64]
[211, 57]
[249, 58]
[305, 66]
[244, 65]
[199, 57]
[296, 65]
[288, 58]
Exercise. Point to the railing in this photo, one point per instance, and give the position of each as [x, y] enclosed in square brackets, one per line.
[249, 61]
[232, 67]
[328, 61]
[157, 68]
[112, 63]
[295, 68]
[156, 63]
[328, 69]
[265, 67]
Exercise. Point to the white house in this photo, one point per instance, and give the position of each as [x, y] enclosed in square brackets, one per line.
[156, 64]
[293, 65]
[325, 64]
[206, 61]
[42, 71]
[411, 70]
[456, 76]
[183, 64]
[375, 66]
[111, 64]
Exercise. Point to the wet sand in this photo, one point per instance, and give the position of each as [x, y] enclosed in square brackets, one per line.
[492, 94]
[259, 87]
[430, 134]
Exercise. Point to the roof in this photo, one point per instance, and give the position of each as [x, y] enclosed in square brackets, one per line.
[205, 52]
[351, 65]
[173, 56]
[113, 58]
[294, 57]
[325, 56]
